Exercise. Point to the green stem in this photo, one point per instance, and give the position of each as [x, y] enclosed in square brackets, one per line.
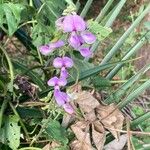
[20, 120]
[10, 67]
[4, 105]
[40, 57]
[41, 131]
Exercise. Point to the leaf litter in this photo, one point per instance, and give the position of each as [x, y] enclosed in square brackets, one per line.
[90, 130]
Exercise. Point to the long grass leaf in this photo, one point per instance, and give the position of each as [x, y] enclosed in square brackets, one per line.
[122, 89]
[135, 94]
[140, 119]
[78, 6]
[131, 52]
[117, 46]
[86, 8]
[110, 21]
[115, 13]
[104, 10]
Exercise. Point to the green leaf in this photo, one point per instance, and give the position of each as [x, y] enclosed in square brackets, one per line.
[10, 14]
[56, 132]
[100, 82]
[10, 133]
[100, 31]
[40, 34]
[25, 112]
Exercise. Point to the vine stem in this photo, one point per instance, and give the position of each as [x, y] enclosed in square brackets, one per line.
[40, 132]
[4, 105]
[20, 120]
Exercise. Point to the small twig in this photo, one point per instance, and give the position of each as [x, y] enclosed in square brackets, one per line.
[131, 132]
[33, 104]
[41, 141]
[128, 133]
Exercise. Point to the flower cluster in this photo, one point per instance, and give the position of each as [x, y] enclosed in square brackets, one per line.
[80, 39]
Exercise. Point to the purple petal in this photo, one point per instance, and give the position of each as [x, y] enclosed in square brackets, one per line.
[79, 23]
[62, 81]
[60, 97]
[68, 24]
[57, 44]
[53, 81]
[45, 49]
[68, 108]
[88, 37]
[58, 62]
[85, 52]
[59, 23]
[74, 40]
[64, 73]
[73, 23]
[68, 62]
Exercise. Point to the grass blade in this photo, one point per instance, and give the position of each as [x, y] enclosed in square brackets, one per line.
[110, 21]
[140, 119]
[115, 13]
[131, 52]
[135, 94]
[124, 36]
[104, 11]
[122, 89]
[86, 8]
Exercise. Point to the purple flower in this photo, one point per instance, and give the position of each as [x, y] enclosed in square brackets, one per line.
[75, 40]
[88, 37]
[68, 108]
[71, 23]
[60, 62]
[60, 97]
[57, 82]
[47, 49]
[85, 52]
[64, 73]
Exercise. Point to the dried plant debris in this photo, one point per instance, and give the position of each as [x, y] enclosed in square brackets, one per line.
[86, 101]
[111, 117]
[90, 130]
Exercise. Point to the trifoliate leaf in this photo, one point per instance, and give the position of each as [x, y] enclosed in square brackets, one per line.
[100, 31]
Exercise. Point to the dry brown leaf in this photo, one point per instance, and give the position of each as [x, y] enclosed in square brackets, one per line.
[86, 101]
[81, 131]
[47, 147]
[90, 116]
[111, 117]
[77, 145]
[98, 135]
